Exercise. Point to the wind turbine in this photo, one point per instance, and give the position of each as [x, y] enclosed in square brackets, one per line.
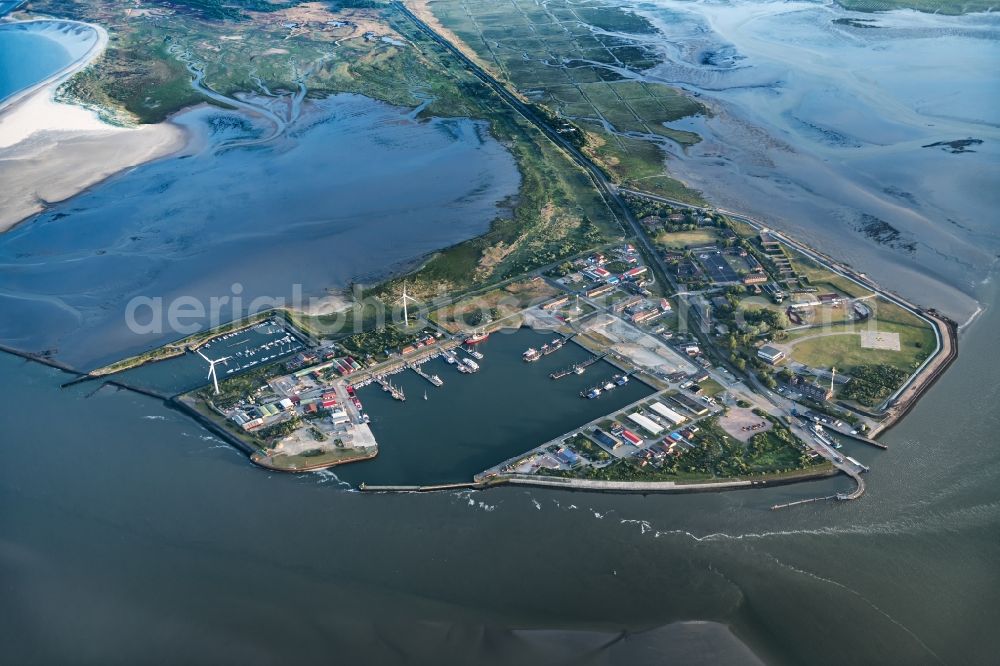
[406, 314]
[211, 368]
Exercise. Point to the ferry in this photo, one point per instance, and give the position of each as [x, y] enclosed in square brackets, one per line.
[531, 354]
[477, 337]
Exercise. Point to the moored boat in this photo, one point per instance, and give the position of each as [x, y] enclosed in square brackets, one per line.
[477, 337]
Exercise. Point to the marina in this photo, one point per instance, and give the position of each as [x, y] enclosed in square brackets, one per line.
[491, 415]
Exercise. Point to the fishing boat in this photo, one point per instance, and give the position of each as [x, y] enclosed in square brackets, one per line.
[477, 337]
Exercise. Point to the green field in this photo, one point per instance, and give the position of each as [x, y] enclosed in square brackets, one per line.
[334, 48]
[843, 349]
[550, 54]
[678, 240]
[635, 163]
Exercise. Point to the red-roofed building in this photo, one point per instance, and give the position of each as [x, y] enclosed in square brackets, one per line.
[635, 272]
[632, 437]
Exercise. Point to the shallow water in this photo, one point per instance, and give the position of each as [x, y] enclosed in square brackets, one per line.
[130, 534]
[32, 51]
[818, 125]
[356, 190]
[128, 531]
[26, 58]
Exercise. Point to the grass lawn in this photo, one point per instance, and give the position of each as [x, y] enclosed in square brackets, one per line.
[844, 350]
[679, 240]
[496, 304]
[635, 163]
[322, 458]
[711, 387]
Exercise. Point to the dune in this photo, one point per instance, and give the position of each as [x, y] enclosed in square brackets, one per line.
[50, 151]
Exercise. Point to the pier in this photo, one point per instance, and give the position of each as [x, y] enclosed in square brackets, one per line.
[862, 439]
[577, 368]
[433, 379]
[394, 391]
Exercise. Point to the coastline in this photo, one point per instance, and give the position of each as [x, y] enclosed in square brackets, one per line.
[51, 151]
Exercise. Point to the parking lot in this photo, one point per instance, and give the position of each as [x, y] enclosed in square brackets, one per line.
[717, 268]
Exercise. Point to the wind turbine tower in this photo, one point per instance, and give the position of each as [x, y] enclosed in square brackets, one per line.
[406, 313]
[211, 369]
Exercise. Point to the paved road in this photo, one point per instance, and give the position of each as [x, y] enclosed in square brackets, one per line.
[607, 189]
[610, 192]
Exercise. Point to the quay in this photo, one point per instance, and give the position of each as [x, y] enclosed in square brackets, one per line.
[863, 440]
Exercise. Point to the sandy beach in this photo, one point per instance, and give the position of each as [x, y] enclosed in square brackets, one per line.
[50, 151]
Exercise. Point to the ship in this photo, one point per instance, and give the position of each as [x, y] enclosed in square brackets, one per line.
[620, 380]
[592, 393]
[555, 345]
[478, 355]
[477, 337]
[531, 354]
[608, 385]
[579, 369]
[471, 364]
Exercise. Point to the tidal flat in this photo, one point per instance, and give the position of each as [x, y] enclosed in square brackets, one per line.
[819, 127]
[354, 190]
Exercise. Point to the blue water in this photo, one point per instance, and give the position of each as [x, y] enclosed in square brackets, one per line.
[356, 190]
[27, 58]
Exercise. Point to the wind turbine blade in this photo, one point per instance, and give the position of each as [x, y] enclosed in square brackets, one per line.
[198, 351]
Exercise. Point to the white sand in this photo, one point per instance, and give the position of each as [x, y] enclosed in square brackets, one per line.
[51, 151]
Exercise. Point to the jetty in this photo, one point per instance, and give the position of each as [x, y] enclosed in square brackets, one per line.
[577, 368]
[433, 379]
[391, 389]
[463, 485]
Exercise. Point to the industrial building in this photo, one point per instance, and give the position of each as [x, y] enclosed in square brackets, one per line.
[770, 354]
[646, 423]
[667, 413]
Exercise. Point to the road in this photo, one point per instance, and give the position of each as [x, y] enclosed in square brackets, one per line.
[612, 196]
[607, 189]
